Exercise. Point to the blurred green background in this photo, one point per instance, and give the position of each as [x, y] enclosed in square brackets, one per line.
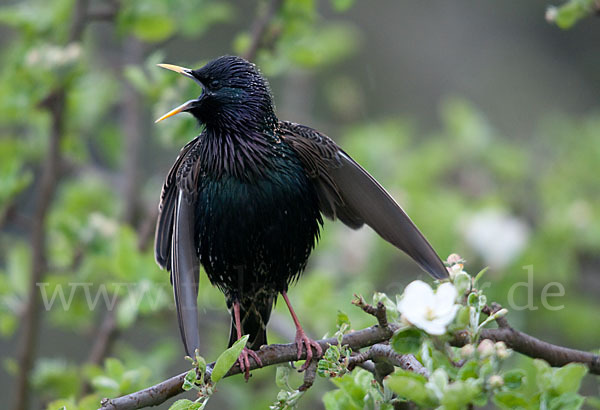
[481, 118]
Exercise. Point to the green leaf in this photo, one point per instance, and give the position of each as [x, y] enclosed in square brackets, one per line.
[182, 404]
[282, 377]
[342, 5]
[543, 374]
[571, 12]
[189, 380]
[567, 379]
[462, 283]
[460, 393]
[469, 370]
[407, 341]
[114, 368]
[480, 274]
[105, 383]
[136, 76]
[227, 359]
[567, 401]
[510, 400]
[153, 27]
[410, 386]
[514, 378]
[342, 319]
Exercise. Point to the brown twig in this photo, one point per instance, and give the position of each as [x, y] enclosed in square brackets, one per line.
[385, 359]
[260, 28]
[309, 376]
[379, 312]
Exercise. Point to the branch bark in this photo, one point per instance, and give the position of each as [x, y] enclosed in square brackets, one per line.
[533, 347]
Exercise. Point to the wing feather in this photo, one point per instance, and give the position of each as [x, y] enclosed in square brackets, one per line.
[175, 248]
[347, 192]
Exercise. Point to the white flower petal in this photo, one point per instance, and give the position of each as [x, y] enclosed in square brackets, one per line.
[432, 327]
[445, 297]
[416, 301]
[447, 318]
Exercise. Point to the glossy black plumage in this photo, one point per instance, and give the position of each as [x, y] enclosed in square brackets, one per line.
[245, 200]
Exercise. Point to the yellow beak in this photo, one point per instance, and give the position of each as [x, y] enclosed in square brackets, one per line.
[181, 70]
[177, 110]
[188, 73]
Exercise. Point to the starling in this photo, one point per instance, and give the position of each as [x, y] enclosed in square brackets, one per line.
[245, 199]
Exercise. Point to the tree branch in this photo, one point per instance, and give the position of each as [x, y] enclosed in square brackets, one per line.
[269, 355]
[260, 28]
[378, 353]
[533, 347]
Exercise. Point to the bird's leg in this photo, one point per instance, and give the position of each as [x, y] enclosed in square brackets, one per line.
[243, 360]
[301, 338]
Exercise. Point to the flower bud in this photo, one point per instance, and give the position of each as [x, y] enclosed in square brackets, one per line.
[496, 381]
[467, 351]
[486, 348]
[453, 259]
[501, 351]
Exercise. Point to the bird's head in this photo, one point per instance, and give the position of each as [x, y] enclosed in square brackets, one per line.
[233, 91]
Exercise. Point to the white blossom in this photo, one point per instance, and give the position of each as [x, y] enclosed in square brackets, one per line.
[427, 310]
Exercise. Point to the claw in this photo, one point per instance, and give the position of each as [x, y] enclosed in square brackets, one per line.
[302, 339]
[244, 362]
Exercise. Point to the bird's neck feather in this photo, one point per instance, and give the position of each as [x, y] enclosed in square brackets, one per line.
[241, 149]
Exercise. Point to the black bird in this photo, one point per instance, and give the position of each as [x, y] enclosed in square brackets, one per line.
[245, 199]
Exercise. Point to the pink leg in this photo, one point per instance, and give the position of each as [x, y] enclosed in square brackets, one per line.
[243, 360]
[301, 338]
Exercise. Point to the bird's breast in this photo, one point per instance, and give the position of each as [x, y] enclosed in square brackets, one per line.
[257, 232]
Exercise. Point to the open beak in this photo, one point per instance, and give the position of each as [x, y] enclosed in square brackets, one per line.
[182, 107]
[187, 105]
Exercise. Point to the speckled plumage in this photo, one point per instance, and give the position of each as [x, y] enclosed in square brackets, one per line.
[245, 200]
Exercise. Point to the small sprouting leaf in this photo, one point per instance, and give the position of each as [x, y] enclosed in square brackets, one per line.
[190, 378]
[411, 386]
[480, 274]
[469, 370]
[513, 378]
[462, 283]
[460, 393]
[567, 401]
[342, 319]
[282, 377]
[227, 359]
[472, 299]
[182, 404]
[510, 400]
[407, 340]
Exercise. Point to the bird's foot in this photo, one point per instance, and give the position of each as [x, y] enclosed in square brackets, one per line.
[244, 361]
[302, 339]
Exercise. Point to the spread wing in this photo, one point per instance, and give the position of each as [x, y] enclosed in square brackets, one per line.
[175, 248]
[349, 193]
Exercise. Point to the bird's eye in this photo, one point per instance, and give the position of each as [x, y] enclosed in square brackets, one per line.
[215, 84]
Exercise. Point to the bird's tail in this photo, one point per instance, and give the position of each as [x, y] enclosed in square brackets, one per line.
[254, 318]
